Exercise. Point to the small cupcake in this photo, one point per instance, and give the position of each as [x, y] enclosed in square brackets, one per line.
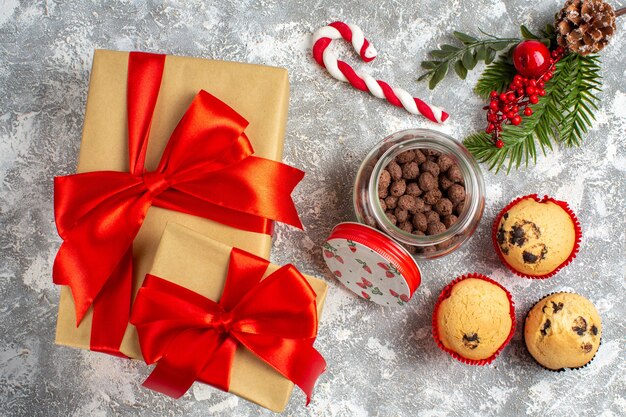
[535, 237]
[474, 319]
[563, 330]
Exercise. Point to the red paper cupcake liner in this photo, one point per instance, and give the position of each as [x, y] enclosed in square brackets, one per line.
[526, 347]
[445, 293]
[564, 206]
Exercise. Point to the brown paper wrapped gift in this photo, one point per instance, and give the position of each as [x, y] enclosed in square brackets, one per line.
[260, 94]
[200, 264]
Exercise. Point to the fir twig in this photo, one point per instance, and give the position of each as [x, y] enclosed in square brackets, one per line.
[582, 94]
[564, 115]
[496, 77]
[481, 146]
[519, 141]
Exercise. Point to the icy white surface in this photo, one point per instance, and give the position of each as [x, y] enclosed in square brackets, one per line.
[381, 362]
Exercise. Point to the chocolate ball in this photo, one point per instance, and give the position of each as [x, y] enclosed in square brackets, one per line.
[454, 174]
[443, 207]
[430, 166]
[406, 202]
[456, 193]
[449, 220]
[413, 189]
[419, 222]
[435, 228]
[445, 244]
[426, 181]
[401, 215]
[410, 171]
[432, 196]
[432, 216]
[428, 249]
[382, 204]
[444, 183]
[411, 249]
[444, 163]
[406, 226]
[431, 152]
[418, 233]
[458, 209]
[419, 156]
[419, 206]
[406, 156]
[391, 218]
[383, 192]
[397, 188]
[394, 170]
[384, 179]
[391, 202]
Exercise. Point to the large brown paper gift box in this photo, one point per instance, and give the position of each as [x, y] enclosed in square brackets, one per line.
[200, 264]
[259, 93]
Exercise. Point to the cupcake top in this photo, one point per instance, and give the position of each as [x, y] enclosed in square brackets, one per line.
[474, 320]
[535, 238]
[563, 330]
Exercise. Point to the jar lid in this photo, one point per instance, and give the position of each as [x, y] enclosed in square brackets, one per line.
[371, 264]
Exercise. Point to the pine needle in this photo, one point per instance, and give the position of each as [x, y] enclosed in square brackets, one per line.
[581, 94]
[496, 77]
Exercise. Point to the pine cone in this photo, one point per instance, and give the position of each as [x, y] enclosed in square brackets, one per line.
[585, 26]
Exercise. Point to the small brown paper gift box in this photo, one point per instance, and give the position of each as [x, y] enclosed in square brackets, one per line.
[200, 264]
[259, 93]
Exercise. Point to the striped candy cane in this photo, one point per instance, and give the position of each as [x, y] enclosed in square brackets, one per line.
[344, 72]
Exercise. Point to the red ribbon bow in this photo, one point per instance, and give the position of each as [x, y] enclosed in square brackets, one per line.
[206, 170]
[193, 338]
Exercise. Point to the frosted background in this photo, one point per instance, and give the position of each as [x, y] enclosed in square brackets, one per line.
[381, 362]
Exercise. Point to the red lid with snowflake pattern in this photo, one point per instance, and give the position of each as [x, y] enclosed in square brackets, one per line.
[371, 264]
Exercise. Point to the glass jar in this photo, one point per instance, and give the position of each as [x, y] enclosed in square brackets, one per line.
[370, 212]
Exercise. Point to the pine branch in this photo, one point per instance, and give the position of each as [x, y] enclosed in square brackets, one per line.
[497, 76]
[580, 97]
[564, 115]
[481, 146]
[519, 141]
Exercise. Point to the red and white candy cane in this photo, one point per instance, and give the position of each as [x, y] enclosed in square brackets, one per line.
[365, 82]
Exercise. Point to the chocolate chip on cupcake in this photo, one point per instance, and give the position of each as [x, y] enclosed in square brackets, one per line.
[536, 238]
[474, 319]
[563, 330]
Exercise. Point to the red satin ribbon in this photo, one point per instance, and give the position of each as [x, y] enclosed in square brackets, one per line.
[193, 338]
[206, 170]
